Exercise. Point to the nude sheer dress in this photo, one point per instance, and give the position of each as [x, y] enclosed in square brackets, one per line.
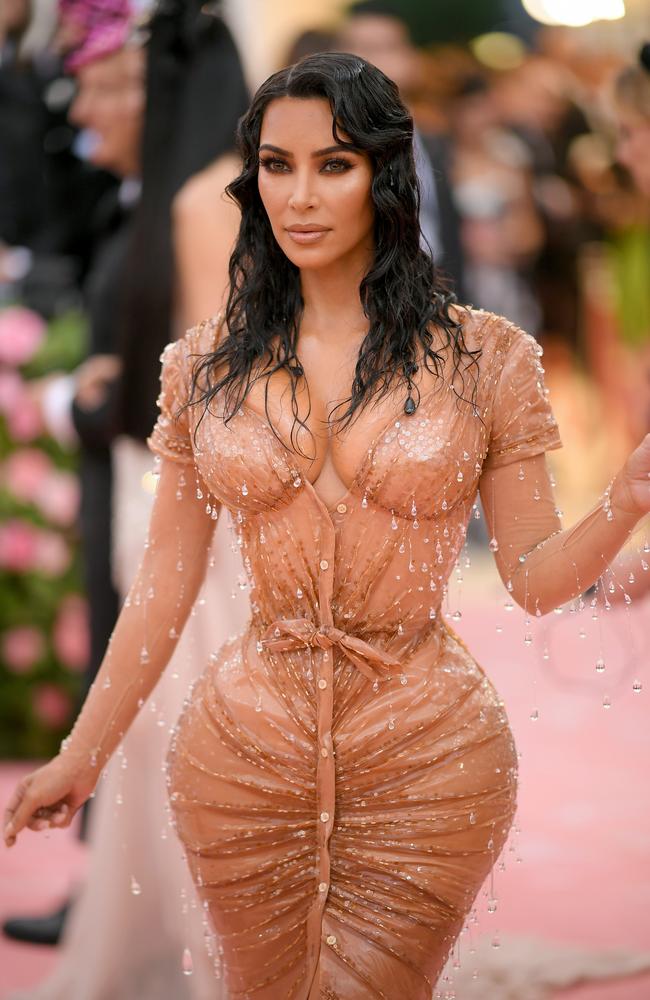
[343, 775]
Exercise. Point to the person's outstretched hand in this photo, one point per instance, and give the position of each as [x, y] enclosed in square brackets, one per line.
[48, 797]
[631, 488]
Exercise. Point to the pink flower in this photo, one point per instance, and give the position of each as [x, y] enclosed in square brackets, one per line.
[21, 334]
[52, 554]
[26, 473]
[51, 705]
[21, 648]
[70, 636]
[59, 499]
[19, 543]
[24, 421]
[12, 391]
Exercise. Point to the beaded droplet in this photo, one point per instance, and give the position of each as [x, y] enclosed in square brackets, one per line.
[187, 963]
[410, 406]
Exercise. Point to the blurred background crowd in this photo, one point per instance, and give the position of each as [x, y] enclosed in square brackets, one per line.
[530, 203]
[117, 126]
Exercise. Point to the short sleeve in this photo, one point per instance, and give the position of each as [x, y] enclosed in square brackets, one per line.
[523, 424]
[171, 437]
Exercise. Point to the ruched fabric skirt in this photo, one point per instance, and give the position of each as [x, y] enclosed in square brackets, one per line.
[339, 829]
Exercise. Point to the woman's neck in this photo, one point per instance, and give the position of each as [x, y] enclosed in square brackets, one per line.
[332, 305]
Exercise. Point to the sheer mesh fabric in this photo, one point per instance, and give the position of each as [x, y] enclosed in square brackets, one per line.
[343, 775]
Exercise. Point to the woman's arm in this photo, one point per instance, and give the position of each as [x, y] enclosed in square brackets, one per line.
[543, 564]
[154, 613]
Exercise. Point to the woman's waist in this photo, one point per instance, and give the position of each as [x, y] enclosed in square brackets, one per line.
[390, 641]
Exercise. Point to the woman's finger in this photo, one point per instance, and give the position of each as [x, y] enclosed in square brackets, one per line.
[37, 825]
[12, 808]
[24, 811]
[15, 800]
[60, 817]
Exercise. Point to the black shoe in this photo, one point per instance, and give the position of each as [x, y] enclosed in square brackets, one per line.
[38, 930]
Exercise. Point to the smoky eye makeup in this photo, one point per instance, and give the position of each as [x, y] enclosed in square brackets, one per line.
[332, 165]
[273, 164]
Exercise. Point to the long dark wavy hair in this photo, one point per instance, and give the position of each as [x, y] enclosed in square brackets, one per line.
[403, 296]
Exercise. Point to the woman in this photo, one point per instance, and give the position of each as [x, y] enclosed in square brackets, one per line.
[343, 776]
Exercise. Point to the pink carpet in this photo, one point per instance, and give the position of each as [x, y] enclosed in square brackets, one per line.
[579, 870]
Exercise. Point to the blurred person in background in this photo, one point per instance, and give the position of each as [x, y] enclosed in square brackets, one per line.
[47, 192]
[377, 32]
[501, 229]
[310, 43]
[174, 272]
[108, 107]
[632, 106]
[537, 102]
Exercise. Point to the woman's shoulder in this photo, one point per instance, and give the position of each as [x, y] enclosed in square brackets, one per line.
[202, 338]
[179, 356]
[490, 332]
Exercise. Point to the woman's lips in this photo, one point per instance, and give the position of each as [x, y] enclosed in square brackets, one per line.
[306, 236]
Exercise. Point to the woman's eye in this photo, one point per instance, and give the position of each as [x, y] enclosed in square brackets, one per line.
[273, 166]
[336, 166]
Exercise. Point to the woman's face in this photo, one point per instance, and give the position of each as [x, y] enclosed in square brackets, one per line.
[110, 103]
[633, 147]
[316, 193]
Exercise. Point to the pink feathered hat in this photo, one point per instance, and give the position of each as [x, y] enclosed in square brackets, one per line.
[91, 29]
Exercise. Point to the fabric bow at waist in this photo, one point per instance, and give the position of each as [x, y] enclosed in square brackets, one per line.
[291, 633]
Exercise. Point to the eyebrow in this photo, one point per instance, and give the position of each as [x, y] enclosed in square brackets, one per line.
[340, 148]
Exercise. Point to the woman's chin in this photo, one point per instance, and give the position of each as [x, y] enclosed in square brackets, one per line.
[309, 257]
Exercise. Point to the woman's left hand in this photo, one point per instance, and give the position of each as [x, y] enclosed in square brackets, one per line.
[630, 491]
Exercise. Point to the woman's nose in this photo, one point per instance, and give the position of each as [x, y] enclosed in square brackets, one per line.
[303, 195]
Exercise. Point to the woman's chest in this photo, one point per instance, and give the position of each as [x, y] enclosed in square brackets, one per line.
[429, 460]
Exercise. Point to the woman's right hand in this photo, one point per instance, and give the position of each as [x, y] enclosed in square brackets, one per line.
[49, 797]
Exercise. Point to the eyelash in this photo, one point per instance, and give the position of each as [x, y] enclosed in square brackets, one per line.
[269, 163]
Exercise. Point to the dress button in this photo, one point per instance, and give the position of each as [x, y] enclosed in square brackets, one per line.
[324, 816]
[331, 939]
[342, 508]
[322, 683]
[323, 751]
[324, 564]
[322, 886]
